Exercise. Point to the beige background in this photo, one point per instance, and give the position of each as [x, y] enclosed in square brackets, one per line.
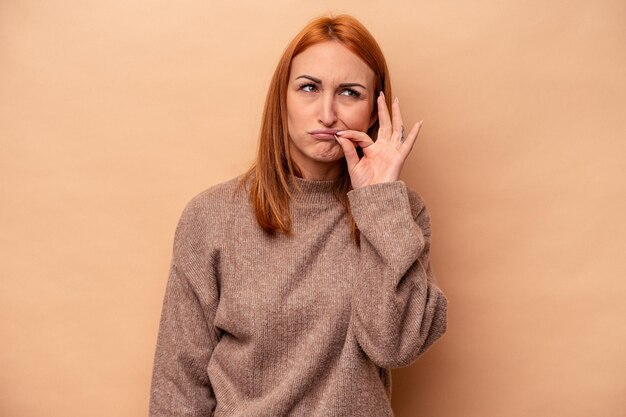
[113, 114]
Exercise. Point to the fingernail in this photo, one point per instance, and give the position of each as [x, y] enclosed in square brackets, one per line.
[421, 121]
[381, 93]
[341, 132]
[397, 100]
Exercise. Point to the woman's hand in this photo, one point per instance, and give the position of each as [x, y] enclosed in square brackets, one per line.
[382, 160]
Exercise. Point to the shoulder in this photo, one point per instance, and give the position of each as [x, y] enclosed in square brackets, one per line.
[217, 195]
[215, 200]
[208, 212]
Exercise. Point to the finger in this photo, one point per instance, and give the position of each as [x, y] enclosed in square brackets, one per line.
[407, 145]
[349, 151]
[360, 138]
[396, 119]
[384, 129]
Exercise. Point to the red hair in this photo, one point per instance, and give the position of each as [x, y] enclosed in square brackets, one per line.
[269, 174]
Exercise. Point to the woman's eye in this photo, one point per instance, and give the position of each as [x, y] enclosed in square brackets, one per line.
[350, 93]
[309, 88]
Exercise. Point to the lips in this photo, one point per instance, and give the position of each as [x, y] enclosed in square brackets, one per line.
[324, 133]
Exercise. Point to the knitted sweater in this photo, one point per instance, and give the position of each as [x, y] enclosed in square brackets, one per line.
[306, 325]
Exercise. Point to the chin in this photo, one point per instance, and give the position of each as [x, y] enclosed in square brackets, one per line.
[333, 155]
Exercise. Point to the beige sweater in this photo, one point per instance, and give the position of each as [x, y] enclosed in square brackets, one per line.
[302, 326]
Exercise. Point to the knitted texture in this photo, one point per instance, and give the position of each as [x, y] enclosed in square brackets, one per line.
[306, 325]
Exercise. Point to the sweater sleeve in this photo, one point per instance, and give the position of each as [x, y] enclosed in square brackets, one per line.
[398, 310]
[186, 339]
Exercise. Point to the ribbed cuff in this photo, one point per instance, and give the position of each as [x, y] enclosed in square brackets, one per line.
[383, 214]
[388, 201]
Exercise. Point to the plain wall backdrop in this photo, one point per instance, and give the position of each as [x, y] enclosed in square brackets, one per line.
[114, 114]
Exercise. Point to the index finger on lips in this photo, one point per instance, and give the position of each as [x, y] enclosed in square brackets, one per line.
[356, 136]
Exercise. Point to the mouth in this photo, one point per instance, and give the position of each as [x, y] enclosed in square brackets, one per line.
[324, 134]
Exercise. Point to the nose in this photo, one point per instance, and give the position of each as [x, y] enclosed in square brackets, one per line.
[327, 111]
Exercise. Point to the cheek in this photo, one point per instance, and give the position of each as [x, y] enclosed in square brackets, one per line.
[357, 117]
[297, 110]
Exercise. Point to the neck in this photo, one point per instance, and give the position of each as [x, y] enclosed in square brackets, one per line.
[312, 191]
[320, 173]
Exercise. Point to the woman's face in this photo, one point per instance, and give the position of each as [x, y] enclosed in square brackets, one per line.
[330, 89]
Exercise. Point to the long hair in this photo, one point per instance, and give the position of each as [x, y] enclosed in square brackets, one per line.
[268, 176]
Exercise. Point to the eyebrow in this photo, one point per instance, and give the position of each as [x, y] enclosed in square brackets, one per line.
[317, 80]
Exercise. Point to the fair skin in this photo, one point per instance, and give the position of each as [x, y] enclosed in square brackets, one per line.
[330, 98]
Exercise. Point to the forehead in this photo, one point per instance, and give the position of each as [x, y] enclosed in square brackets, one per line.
[331, 61]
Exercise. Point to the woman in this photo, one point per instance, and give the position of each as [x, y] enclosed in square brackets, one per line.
[295, 287]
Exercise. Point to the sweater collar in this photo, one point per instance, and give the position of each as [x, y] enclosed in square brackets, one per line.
[313, 192]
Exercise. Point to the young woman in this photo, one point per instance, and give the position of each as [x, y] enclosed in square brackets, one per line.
[295, 287]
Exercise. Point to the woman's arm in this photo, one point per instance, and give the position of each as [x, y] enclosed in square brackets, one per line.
[398, 311]
[180, 385]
